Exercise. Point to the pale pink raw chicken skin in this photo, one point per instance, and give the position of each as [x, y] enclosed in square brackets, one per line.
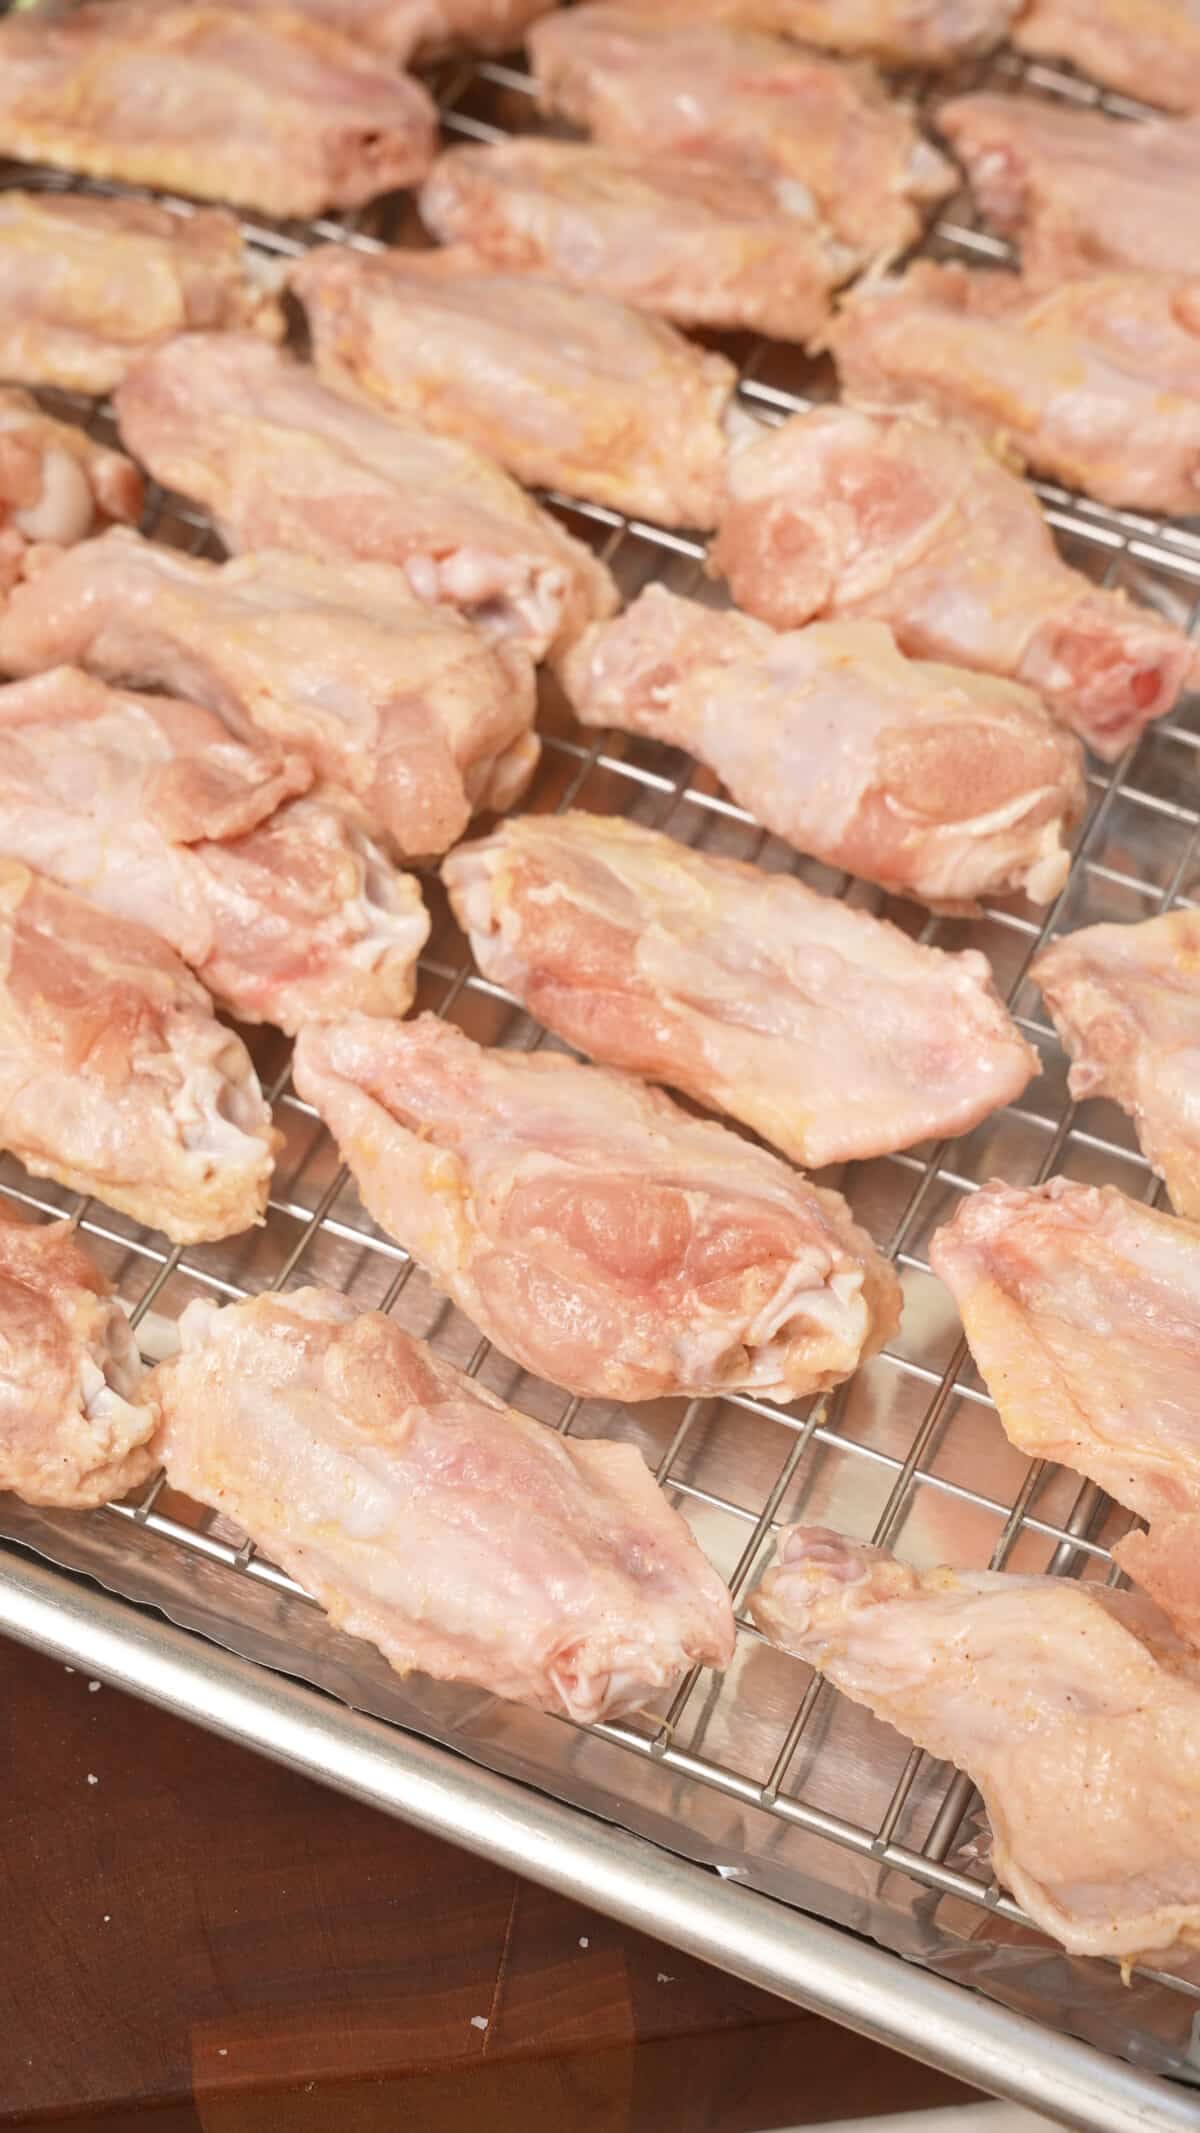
[56, 486]
[707, 92]
[401, 705]
[825, 1029]
[403, 30]
[151, 809]
[1150, 49]
[846, 515]
[1079, 190]
[115, 1077]
[1126, 1002]
[696, 244]
[1096, 383]
[567, 389]
[74, 1423]
[932, 781]
[921, 33]
[270, 111]
[456, 1535]
[1072, 1707]
[282, 462]
[1082, 1309]
[598, 1234]
[87, 284]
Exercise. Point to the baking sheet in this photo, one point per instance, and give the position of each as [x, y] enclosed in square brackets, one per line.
[767, 1776]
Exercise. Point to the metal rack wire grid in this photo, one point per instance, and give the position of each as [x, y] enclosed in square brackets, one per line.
[910, 1453]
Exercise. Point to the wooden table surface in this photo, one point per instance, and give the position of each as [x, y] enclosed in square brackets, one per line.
[196, 1939]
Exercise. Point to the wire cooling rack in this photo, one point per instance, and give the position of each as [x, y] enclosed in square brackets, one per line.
[767, 1775]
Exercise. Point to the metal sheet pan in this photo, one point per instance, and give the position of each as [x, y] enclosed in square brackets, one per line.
[761, 1820]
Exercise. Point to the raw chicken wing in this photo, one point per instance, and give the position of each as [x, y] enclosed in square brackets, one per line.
[828, 1031]
[922, 33]
[1083, 1313]
[459, 1537]
[847, 515]
[56, 486]
[698, 245]
[153, 811]
[707, 92]
[414, 29]
[1077, 189]
[1072, 1707]
[594, 1231]
[932, 781]
[1097, 384]
[404, 706]
[282, 462]
[271, 111]
[567, 389]
[1126, 1003]
[1147, 48]
[73, 1423]
[115, 1077]
[87, 285]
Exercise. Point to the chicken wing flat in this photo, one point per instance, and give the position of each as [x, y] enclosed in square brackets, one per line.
[922, 33]
[1147, 48]
[73, 1422]
[850, 516]
[56, 486]
[269, 111]
[1072, 1707]
[706, 92]
[1126, 1003]
[153, 811]
[593, 1230]
[1077, 189]
[1084, 383]
[404, 30]
[1083, 1313]
[282, 462]
[115, 1077]
[406, 707]
[87, 285]
[567, 389]
[698, 245]
[825, 1029]
[932, 781]
[459, 1537]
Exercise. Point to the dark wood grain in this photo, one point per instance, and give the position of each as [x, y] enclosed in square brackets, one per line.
[200, 1942]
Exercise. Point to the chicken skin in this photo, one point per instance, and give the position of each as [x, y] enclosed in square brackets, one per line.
[1126, 1003]
[87, 285]
[932, 781]
[282, 462]
[115, 1077]
[917, 33]
[406, 707]
[706, 92]
[1083, 1313]
[56, 486]
[456, 1535]
[1072, 1707]
[827, 1030]
[1079, 190]
[154, 812]
[568, 390]
[594, 1231]
[1096, 384]
[406, 30]
[849, 516]
[269, 111]
[693, 243]
[73, 1423]
[1147, 48]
